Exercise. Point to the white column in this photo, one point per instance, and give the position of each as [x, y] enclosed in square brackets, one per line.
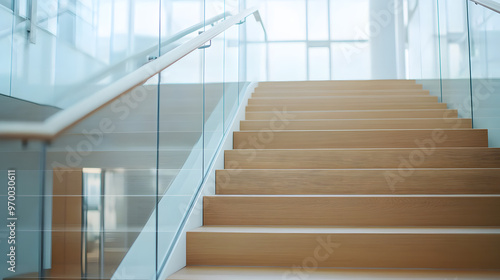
[383, 39]
[400, 39]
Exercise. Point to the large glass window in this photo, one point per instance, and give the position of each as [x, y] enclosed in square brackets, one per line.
[310, 40]
[350, 20]
[317, 20]
[286, 19]
[319, 67]
[6, 17]
[286, 61]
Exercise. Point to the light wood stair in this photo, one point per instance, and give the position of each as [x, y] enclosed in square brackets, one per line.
[271, 273]
[351, 180]
[336, 106]
[354, 114]
[347, 124]
[259, 92]
[345, 247]
[321, 139]
[356, 181]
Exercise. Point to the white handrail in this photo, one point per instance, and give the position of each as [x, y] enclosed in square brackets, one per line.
[490, 4]
[61, 121]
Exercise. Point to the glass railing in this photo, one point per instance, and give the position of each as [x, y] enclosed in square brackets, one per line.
[76, 40]
[107, 198]
[484, 32]
[83, 46]
[22, 168]
[423, 44]
[452, 51]
[107, 165]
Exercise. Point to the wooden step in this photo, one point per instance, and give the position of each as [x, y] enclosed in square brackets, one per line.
[339, 82]
[426, 156]
[359, 106]
[319, 139]
[313, 273]
[357, 181]
[433, 248]
[341, 100]
[343, 124]
[292, 92]
[369, 85]
[353, 210]
[283, 114]
[350, 174]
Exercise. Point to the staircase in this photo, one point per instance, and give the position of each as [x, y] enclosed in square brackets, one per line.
[351, 180]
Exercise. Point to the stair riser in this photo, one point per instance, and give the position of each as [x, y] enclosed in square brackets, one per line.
[343, 100]
[313, 92]
[361, 124]
[335, 182]
[339, 82]
[405, 159]
[358, 139]
[362, 114]
[332, 107]
[345, 85]
[309, 251]
[352, 210]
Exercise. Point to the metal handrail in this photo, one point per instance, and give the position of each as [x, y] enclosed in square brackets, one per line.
[490, 4]
[61, 121]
